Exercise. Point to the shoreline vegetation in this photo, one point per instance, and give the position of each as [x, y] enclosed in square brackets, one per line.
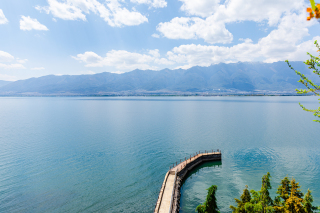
[290, 199]
[158, 95]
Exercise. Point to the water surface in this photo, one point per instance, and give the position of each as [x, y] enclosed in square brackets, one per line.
[71, 154]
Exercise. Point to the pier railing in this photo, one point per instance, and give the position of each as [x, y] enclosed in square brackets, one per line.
[193, 156]
[173, 190]
[179, 170]
[158, 203]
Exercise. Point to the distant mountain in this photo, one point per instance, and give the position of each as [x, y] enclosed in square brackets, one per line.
[236, 78]
[2, 83]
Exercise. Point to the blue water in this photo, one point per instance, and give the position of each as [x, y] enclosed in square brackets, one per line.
[71, 154]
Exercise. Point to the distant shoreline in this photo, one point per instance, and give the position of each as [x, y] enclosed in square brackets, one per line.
[149, 95]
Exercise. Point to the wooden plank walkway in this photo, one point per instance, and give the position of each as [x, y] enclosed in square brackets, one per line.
[165, 197]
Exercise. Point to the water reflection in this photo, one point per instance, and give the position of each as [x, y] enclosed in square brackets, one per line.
[246, 167]
[202, 167]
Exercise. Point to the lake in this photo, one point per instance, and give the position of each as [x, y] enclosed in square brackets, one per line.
[110, 154]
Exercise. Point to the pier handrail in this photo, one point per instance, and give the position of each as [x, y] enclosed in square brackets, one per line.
[173, 190]
[161, 193]
[176, 171]
[194, 155]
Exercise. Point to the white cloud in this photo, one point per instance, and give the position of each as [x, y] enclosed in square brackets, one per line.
[11, 66]
[89, 72]
[62, 10]
[5, 57]
[122, 16]
[117, 72]
[37, 68]
[152, 3]
[88, 58]
[3, 19]
[112, 11]
[123, 60]
[27, 23]
[203, 8]
[252, 10]
[155, 53]
[300, 53]
[284, 42]
[155, 35]
[21, 61]
[279, 45]
[5, 77]
[194, 28]
[213, 28]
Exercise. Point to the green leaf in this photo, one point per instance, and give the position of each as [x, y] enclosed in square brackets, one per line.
[313, 5]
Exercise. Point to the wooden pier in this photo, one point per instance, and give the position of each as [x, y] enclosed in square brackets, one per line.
[169, 195]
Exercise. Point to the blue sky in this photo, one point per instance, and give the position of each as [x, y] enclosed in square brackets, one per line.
[73, 37]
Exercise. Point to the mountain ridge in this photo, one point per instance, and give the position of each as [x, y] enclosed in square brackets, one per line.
[235, 78]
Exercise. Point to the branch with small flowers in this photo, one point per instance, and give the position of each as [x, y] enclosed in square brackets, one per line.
[314, 64]
[314, 10]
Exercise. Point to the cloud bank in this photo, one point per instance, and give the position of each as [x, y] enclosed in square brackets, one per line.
[27, 23]
[112, 11]
[3, 19]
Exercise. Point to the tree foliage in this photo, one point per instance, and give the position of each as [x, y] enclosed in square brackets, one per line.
[210, 206]
[314, 64]
[245, 198]
[260, 201]
[290, 199]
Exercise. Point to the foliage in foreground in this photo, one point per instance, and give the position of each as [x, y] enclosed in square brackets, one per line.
[314, 64]
[290, 199]
[314, 11]
[210, 206]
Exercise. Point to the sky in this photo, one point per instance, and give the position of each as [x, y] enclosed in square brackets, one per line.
[76, 37]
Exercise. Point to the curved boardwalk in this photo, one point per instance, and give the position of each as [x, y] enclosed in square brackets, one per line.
[169, 196]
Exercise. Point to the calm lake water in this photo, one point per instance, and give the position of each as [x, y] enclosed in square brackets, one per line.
[71, 154]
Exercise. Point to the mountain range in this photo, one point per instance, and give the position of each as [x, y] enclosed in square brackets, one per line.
[233, 78]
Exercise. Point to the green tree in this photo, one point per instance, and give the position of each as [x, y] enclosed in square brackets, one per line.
[307, 203]
[284, 191]
[290, 198]
[210, 206]
[313, 63]
[265, 198]
[294, 202]
[258, 201]
[245, 198]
